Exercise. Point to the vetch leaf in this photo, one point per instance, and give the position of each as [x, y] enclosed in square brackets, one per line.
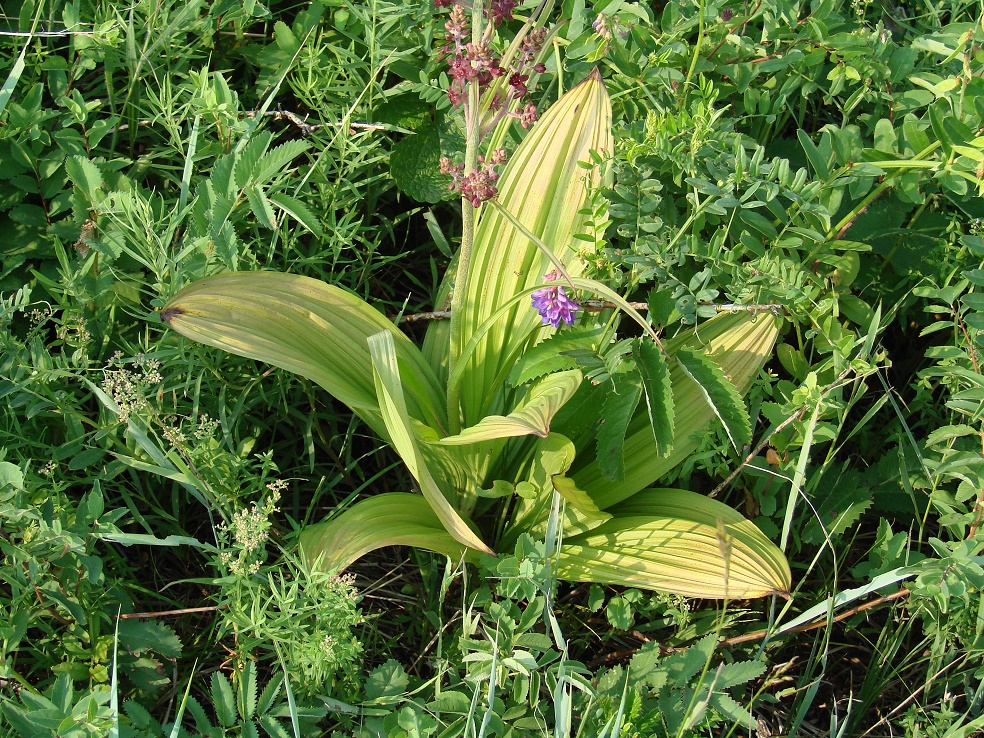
[820, 165]
[719, 393]
[659, 392]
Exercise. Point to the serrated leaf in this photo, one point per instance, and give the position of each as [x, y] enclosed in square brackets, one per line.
[299, 212]
[277, 160]
[655, 375]
[273, 727]
[451, 701]
[308, 327]
[682, 666]
[734, 712]
[841, 498]
[387, 680]
[415, 162]
[269, 694]
[223, 700]
[738, 341]
[719, 393]
[532, 417]
[86, 176]
[390, 519]
[737, 673]
[137, 636]
[260, 206]
[661, 306]
[393, 408]
[202, 724]
[620, 406]
[246, 160]
[246, 695]
[550, 355]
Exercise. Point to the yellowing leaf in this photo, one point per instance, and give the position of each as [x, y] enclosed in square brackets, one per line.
[391, 519]
[679, 542]
[392, 404]
[532, 417]
[306, 327]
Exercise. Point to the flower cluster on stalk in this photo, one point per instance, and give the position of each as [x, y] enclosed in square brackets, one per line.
[475, 60]
[479, 185]
[553, 304]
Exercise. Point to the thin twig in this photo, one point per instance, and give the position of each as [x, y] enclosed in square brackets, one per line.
[46, 34]
[170, 613]
[758, 449]
[306, 128]
[760, 634]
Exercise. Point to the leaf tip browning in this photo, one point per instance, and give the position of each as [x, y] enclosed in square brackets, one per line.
[171, 312]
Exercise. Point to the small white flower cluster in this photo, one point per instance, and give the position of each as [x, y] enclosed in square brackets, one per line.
[127, 386]
[250, 530]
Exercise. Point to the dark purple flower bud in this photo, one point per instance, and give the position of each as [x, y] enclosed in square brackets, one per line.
[727, 14]
[553, 304]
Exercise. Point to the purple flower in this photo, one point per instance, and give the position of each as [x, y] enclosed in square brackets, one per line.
[553, 304]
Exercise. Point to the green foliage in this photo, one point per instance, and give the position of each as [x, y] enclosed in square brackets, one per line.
[821, 158]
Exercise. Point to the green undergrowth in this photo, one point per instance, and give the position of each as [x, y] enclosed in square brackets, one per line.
[822, 158]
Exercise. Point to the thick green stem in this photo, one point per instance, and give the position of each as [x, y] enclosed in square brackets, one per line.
[473, 121]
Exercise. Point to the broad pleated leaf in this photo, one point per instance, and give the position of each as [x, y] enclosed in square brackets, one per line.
[679, 542]
[392, 404]
[659, 393]
[692, 506]
[391, 519]
[544, 187]
[719, 393]
[532, 417]
[582, 510]
[306, 327]
[620, 406]
[738, 342]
